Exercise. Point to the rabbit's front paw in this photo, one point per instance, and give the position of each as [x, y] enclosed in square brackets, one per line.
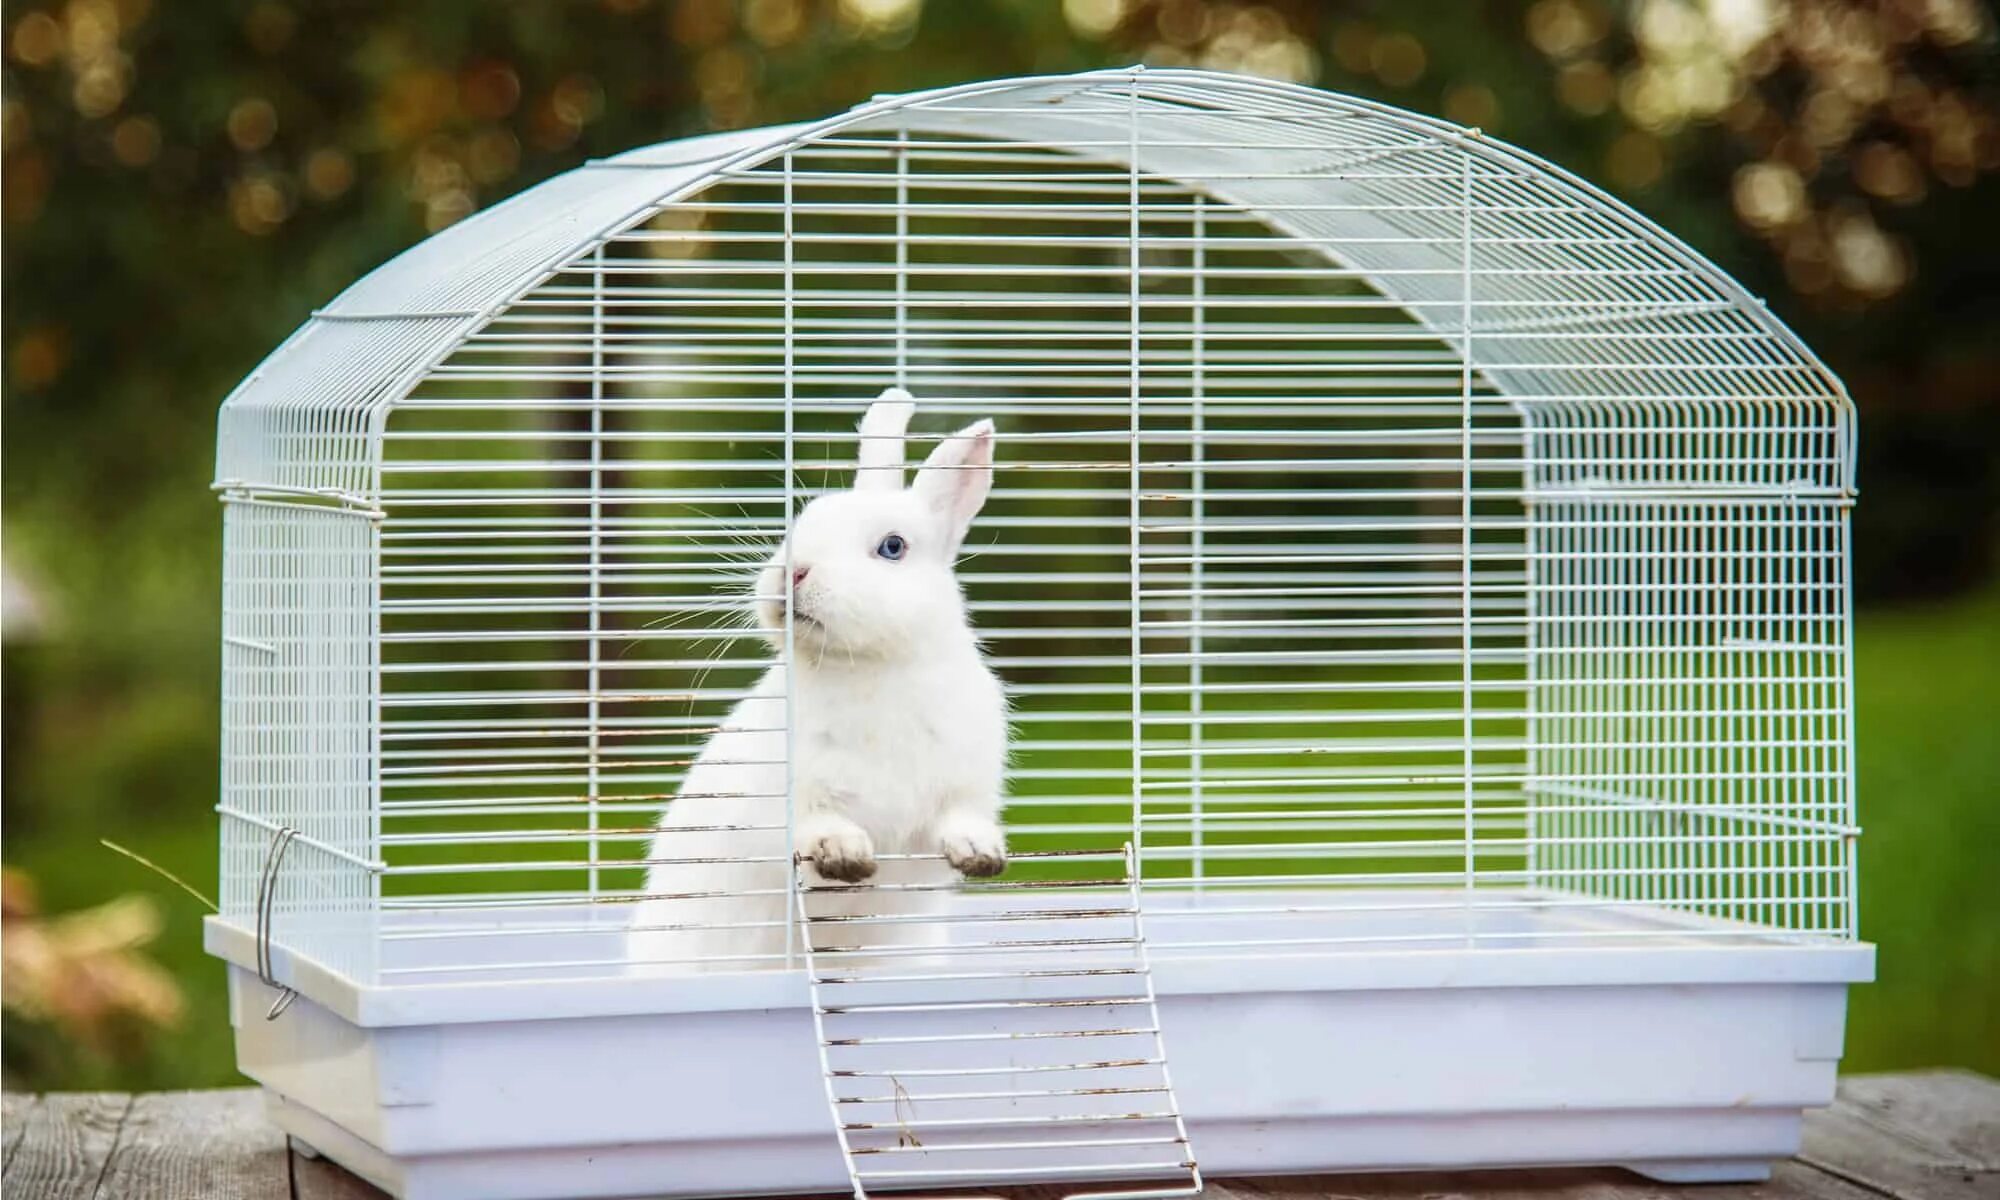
[841, 853]
[976, 849]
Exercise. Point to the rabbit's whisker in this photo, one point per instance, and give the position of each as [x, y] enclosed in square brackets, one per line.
[701, 676]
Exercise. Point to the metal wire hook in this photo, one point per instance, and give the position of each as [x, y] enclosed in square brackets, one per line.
[281, 841]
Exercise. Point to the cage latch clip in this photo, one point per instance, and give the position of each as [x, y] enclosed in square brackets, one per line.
[267, 896]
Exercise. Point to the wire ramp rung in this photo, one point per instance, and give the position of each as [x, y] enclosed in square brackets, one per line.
[1001, 1037]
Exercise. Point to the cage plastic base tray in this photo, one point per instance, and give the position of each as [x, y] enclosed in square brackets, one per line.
[1681, 1047]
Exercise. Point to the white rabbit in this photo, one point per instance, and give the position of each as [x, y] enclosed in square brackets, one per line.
[899, 729]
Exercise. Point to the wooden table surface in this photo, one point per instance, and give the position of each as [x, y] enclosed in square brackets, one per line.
[1931, 1135]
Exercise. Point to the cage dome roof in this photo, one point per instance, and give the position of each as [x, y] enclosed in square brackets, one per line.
[1584, 303]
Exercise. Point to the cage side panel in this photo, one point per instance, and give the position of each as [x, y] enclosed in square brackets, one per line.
[1692, 743]
[298, 728]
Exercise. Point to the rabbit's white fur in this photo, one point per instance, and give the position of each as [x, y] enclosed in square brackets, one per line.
[899, 727]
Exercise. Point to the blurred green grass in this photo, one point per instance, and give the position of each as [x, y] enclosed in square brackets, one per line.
[1928, 738]
[1929, 764]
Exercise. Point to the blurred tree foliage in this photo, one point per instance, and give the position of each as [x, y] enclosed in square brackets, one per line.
[183, 186]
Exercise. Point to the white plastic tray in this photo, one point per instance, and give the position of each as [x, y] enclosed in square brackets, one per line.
[1680, 1047]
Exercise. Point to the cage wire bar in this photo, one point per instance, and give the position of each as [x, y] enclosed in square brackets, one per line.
[1398, 542]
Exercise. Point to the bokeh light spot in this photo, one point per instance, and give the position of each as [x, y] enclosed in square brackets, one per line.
[1565, 28]
[682, 228]
[1889, 172]
[1866, 259]
[329, 172]
[1668, 27]
[488, 90]
[1739, 26]
[252, 124]
[1472, 104]
[37, 40]
[1093, 18]
[774, 23]
[259, 203]
[1586, 87]
[493, 154]
[1955, 22]
[39, 356]
[1398, 59]
[92, 26]
[1182, 22]
[135, 141]
[1769, 195]
[100, 85]
[1256, 41]
[1827, 118]
[578, 100]
[447, 207]
[1649, 100]
[880, 18]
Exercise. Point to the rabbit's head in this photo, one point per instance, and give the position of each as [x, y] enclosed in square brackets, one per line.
[871, 568]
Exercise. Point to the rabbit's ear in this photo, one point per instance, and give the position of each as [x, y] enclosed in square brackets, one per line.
[878, 458]
[957, 476]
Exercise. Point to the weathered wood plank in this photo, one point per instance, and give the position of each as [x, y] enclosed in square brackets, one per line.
[198, 1146]
[65, 1142]
[321, 1179]
[1844, 1143]
[1957, 1111]
[1922, 1136]
[1790, 1181]
[14, 1109]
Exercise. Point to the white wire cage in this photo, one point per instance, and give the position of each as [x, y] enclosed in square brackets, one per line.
[1434, 573]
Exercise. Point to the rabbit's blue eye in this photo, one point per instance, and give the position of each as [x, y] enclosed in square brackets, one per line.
[893, 547]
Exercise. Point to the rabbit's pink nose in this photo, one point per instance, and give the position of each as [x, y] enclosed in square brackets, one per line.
[799, 575]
